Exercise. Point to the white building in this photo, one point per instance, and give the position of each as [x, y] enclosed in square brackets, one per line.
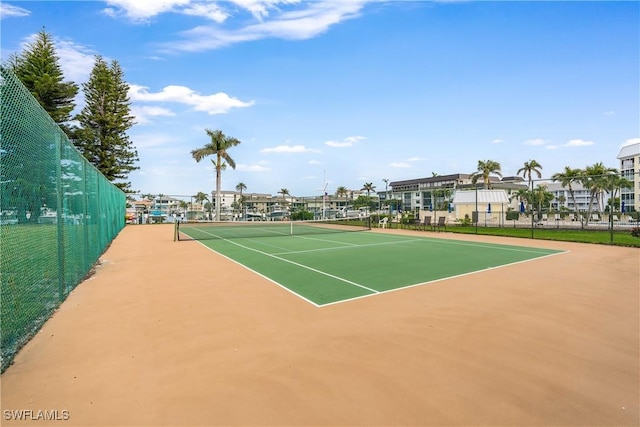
[485, 202]
[563, 199]
[629, 157]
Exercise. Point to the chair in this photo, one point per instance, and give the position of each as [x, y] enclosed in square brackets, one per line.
[441, 223]
[595, 217]
[383, 222]
[557, 217]
[426, 222]
[616, 219]
[545, 217]
[416, 224]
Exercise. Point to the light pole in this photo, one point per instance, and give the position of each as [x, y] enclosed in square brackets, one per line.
[386, 193]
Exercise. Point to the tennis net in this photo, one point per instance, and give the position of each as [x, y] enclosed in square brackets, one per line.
[206, 230]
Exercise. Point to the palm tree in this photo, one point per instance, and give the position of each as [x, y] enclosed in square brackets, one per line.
[529, 168]
[241, 186]
[595, 180]
[218, 146]
[200, 198]
[368, 187]
[613, 183]
[184, 205]
[566, 178]
[525, 196]
[541, 196]
[284, 193]
[342, 191]
[485, 169]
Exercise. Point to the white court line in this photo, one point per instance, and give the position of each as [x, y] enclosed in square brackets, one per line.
[439, 280]
[260, 274]
[296, 264]
[500, 246]
[346, 247]
[324, 240]
[375, 292]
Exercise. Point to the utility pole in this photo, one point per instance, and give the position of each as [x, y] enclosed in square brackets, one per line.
[324, 193]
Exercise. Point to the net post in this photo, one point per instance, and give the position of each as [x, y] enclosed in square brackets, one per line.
[175, 231]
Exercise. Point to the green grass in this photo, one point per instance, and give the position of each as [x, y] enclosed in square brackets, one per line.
[620, 238]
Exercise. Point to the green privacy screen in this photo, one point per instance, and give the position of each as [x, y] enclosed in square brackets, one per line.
[57, 215]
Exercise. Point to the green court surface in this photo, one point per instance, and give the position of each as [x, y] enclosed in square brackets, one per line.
[330, 268]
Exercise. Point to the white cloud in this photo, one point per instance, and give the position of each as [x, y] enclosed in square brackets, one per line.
[219, 103]
[75, 60]
[252, 168]
[315, 162]
[336, 144]
[8, 11]
[415, 159]
[143, 113]
[497, 141]
[399, 165]
[354, 138]
[141, 10]
[151, 140]
[210, 11]
[260, 8]
[288, 149]
[631, 141]
[312, 19]
[578, 143]
[157, 111]
[571, 143]
[534, 142]
[347, 142]
[609, 113]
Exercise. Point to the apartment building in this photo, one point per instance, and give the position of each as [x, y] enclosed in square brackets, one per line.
[436, 192]
[563, 199]
[629, 158]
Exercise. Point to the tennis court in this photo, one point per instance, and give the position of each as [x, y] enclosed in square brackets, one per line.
[326, 262]
[171, 333]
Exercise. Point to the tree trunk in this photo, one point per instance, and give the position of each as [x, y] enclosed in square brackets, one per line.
[218, 173]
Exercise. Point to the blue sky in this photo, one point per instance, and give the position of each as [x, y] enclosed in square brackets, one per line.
[348, 92]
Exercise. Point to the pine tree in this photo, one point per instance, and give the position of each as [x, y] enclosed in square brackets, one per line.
[104, 121]
[38, 69]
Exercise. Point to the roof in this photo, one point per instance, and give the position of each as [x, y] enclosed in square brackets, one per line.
[437, 178]
[484, 196]
[630, 150]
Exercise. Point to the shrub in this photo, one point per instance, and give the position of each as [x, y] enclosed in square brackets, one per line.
[635, 231]
[301, 215]
[513, 215]
[464, 222]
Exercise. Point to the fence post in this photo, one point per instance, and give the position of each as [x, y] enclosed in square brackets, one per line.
[59, 224]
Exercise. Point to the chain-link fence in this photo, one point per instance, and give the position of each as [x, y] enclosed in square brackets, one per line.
[57, 215]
